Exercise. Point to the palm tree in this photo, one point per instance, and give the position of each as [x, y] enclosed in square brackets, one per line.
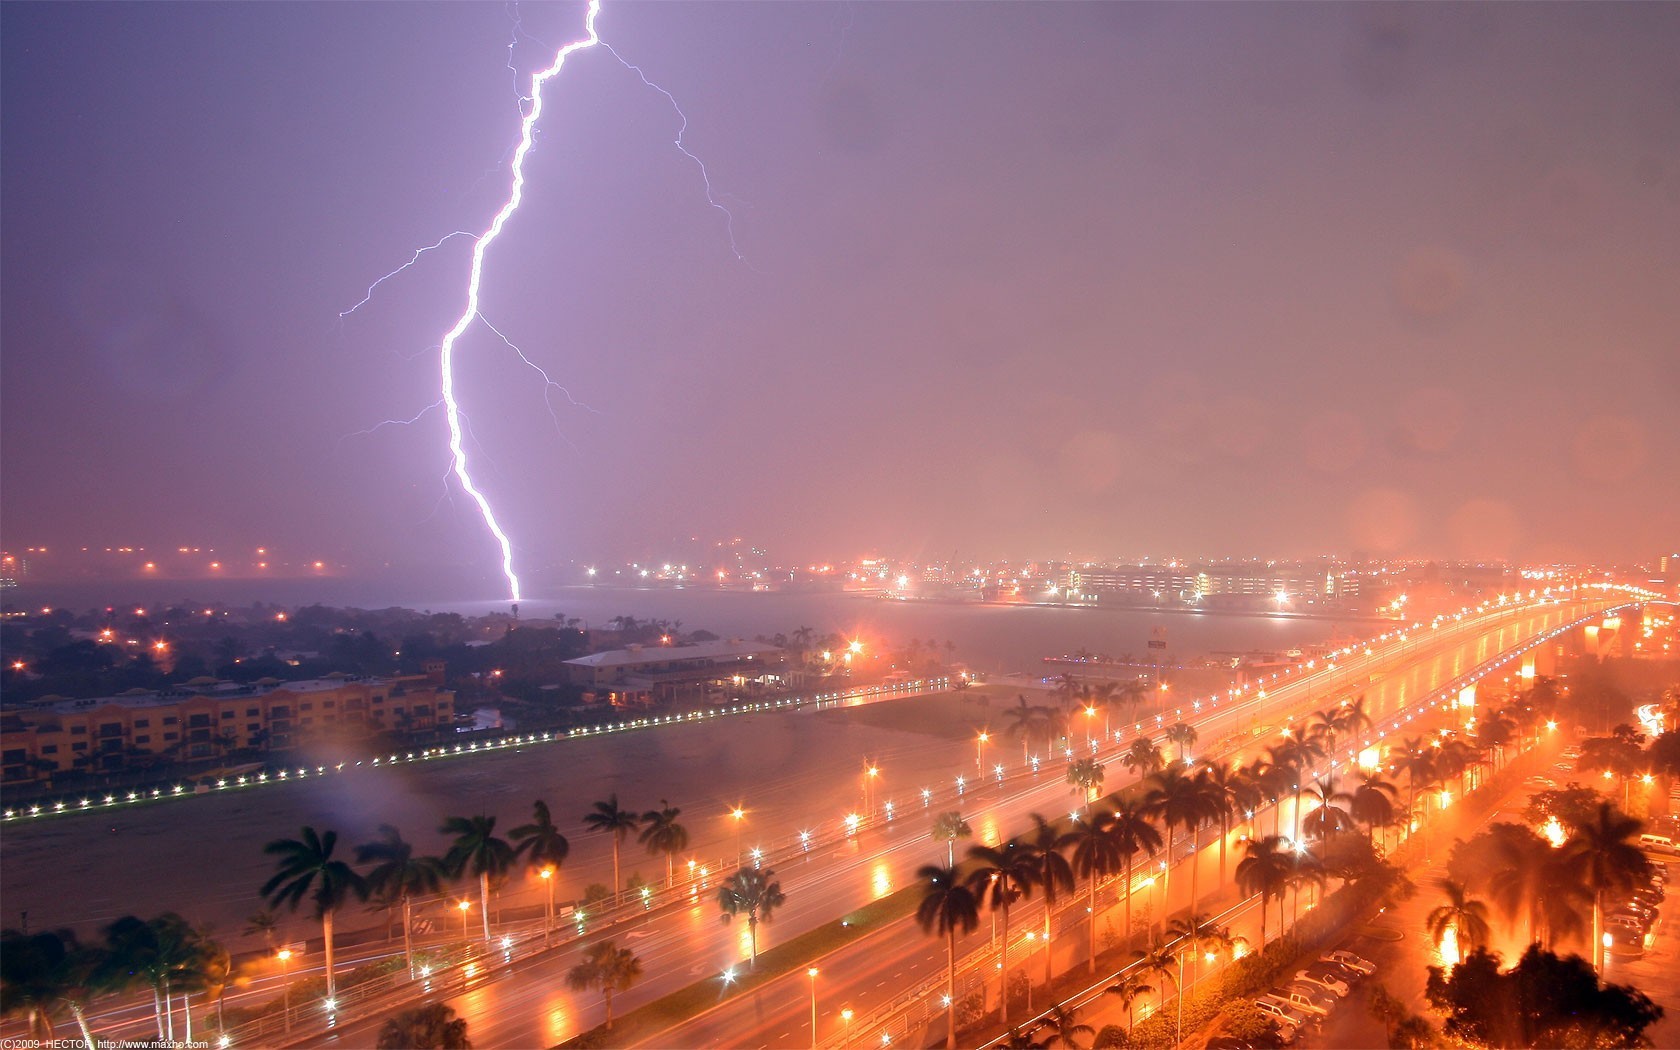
[662, 834]
[1295, 754]
[1463, 914]
[607, 967]
[430, 1027]
[479, 852]
[1198, 932]
[1265, 869]
[1373, 805]
[1417, 761]
[1607, 850]
[165, 954]
[1133, 833]
[265, 924]
[999, 877]
[752, 892]
[1087, 774]
[545, 850]
[1143, 757]
[306, 868]
[1061, 1022]
[1176, 801]
[1183, 734]
[1227, 790]
[43, 972]
[1095, 854]
[619, 823]
[1329, 817]
[398, 874]
[1163, 965]
[1131, 988]
[1053, 876]
[1021, 721]
[948, 827]
[946, 904]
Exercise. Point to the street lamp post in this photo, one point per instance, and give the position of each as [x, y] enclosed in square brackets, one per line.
[812, 974]
[979, 743]
[465, 906]
[285, 955]
[738, 813]
[548, 881]
[846, 1016]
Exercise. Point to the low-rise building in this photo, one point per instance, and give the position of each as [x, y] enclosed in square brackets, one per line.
[206, 720]
[656, 674]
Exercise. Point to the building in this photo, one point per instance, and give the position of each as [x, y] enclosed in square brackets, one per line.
[207, 719]
[709, 671]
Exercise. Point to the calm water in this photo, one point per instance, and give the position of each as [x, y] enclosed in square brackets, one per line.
[993, 638]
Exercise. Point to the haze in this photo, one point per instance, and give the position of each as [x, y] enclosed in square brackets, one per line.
[1097, 278]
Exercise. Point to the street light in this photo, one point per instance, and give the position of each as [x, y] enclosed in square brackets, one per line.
[548, 880]
[465, 906]
[738, 813]
[846, 1016]
[285, 955]
[812, 974]
[980, 742]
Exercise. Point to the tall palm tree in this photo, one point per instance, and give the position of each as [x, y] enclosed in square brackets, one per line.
[754, 893]
[619, 823]
[1373, 804]
[947, 904]
[1182, 734]
[1417, 761]
[1021, 722]
[165, 954]
[662, 834]
[608, 967]
[1000, 876]
[1054, 875]
[544, 850]
[1606, 848]
[1463, 914]
[1133, 833]
[399, 875]
[1129, 990]
[479, 852]
[1265, 869]
[305, 868]
[1196, 933]
[1306, 871]
[1143, 757]
[264, 924]
[1087, 775]
[1228, 791]
[948, 827]
[1160, 963]
[1330, 816]
[1095, 855]
[1296, 754]
[41, 973]
[1173, 798]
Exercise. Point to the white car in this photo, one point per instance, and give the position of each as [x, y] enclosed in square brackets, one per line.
[1324, 978]
[1351, 961]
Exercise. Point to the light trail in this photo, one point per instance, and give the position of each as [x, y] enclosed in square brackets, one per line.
[452, 412]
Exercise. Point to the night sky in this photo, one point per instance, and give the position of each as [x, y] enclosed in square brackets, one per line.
[1100, 279]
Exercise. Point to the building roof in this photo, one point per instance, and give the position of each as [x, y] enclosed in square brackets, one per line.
[222, 691]
[640, 656]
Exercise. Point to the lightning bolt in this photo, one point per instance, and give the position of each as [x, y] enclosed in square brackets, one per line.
[452, 411]
[418, 252]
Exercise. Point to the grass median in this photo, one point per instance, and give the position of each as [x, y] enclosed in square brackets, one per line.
[648, 1021]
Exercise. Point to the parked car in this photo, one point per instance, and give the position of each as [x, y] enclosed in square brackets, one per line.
[1319, 999]
[1624, 940]
[1353, 962]
[1325, 977]
[1627, 919]
[1279, 1012]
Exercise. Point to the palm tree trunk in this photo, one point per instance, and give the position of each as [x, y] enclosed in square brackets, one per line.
[1195, 855]
[81, 1022]
[1166, 881]
[617, 885]
[186, 1017]
[1049, 974]
[1224, 833]
[752, 936]
[484, 901]
[1003, 1010]
[951, 987]
[1093, 967]
[168, 1011]
[157, 1010]
[1263, 905]
[608, 990]
[408, 937]
[327, 935]
[1128, 889]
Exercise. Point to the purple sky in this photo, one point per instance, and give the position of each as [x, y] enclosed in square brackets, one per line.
[1098, 278]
